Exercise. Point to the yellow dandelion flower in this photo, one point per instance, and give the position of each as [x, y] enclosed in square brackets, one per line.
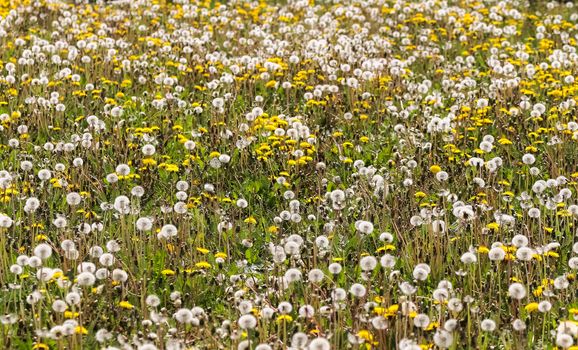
[284, 318]
[202, 250]
[435, 169]
[203, 265]
[493, 226]
[70, 314]
[393, 309]
[504, 141]
[250, 220]
[366, 335]
[531, 307]
[126, 305]
[149, 162]
[80, 330]
[483, 250]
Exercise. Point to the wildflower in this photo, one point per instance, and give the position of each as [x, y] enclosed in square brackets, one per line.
[43, 251]
[125, 305]
[144, 224]
[72, 298]
[421, 321]
[451, 325]
[335, 268]
[86, 279]
[106, 259]
[168, 231]
[315, 275]
[534, 213]
[544, 306]
[497, 254]
[16, 269]
[319, 344]
[420, 273]
[528, 159]
[468, 258]
[488, 325]
[203, 265]
[80, 330]
[368, 263]
[44, 174]
[250, 220]
[119, 275]
[184, 316]
[247, 322]
[518, 325]
[306, 311]
[443, 339]
[407, 289]
[73, 198]
[531, 307]
[435, 169]
[517, 291]
[284, 318]
[455, 305]
[357, 290]
[122, 204]
[388, 261]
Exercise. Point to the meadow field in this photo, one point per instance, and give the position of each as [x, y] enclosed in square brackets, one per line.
[297, 174]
